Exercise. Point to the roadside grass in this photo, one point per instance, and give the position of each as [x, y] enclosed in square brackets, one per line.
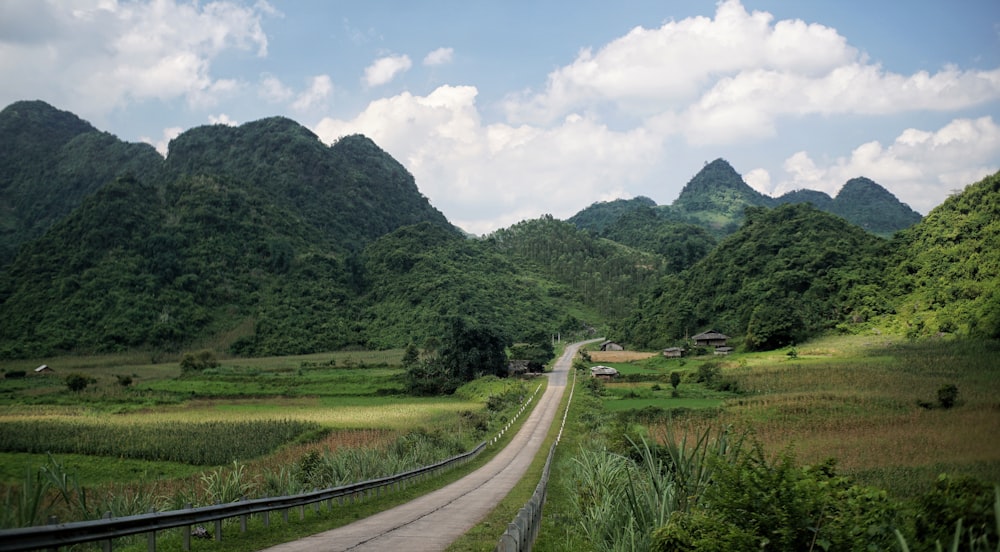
[851, 398]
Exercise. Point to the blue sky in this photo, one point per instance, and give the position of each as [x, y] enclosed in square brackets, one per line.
[504, 111]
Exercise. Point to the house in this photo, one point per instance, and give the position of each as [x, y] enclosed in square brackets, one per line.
[673, 352]
[711, 338]
[517, 368]
[723, 350]
[43, 369]
[611, 346]
[603, 372]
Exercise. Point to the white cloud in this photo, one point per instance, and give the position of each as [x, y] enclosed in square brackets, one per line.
[384, 69]
[221, 119]
[920, 167]
[648, 69]
[315, 95]
[101, 56]
[162, 144]
[486, 176]
[732, 77]
[273, 90]
[441, 56]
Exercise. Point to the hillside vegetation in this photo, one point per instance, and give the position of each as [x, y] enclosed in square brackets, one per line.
[261, 240]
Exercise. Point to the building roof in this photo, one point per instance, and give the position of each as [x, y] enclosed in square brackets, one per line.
[710, 335]
[603, 371]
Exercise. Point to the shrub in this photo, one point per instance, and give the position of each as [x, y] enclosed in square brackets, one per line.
[77, 382]
[948, 395]
[197, 362]
[675, 379]
[708, 372]
[955, 499]
[124, 381]
[14, 374]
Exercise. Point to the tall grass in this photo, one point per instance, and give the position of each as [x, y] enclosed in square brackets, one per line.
[620, 499]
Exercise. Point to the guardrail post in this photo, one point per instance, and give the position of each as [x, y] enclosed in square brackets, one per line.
[54, 520]
[106, 545]
[151, 537]
[243, 519]
[186, 532]
[218, 530]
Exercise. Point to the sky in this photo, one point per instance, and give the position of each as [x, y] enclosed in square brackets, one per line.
[509, 110]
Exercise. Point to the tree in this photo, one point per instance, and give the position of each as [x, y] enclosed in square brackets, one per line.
[77, 382]
[411, 356]
[466, 353]
[675, 379]
[948, 395]
[471, 351]
[197, 362]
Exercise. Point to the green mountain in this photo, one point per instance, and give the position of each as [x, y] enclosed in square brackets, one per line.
[605, 276]
[716, 197]
[680, 244]
[872, 207]
[598, 216]
[249, 236]
[49, 161]
[262, 240]
[286, 164]
[945, 271]
[787, 274]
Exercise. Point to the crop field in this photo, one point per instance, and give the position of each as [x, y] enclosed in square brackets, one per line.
[605, 357]
[166, 425]
[871, 406]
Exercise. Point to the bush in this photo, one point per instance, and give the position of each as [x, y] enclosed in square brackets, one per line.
[948, 395]
[708, 372]
[954, 499]
[14, 374]
[197, 362]
[77, 382]
[755, 501]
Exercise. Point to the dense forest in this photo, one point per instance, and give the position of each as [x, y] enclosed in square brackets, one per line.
[261, 240]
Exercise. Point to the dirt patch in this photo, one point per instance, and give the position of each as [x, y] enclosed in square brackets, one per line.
[618, 356]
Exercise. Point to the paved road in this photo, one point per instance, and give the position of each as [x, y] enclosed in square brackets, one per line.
[434, 521]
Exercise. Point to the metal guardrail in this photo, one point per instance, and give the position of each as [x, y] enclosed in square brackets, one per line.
[51, 537]
[103, 530]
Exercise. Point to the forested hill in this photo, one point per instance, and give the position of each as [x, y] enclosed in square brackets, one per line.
[715, 198]
[261, 240]
[49, 161]
[252, 234]
[793, 271]
[785, 275]
[945, 272]
[352, 191]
